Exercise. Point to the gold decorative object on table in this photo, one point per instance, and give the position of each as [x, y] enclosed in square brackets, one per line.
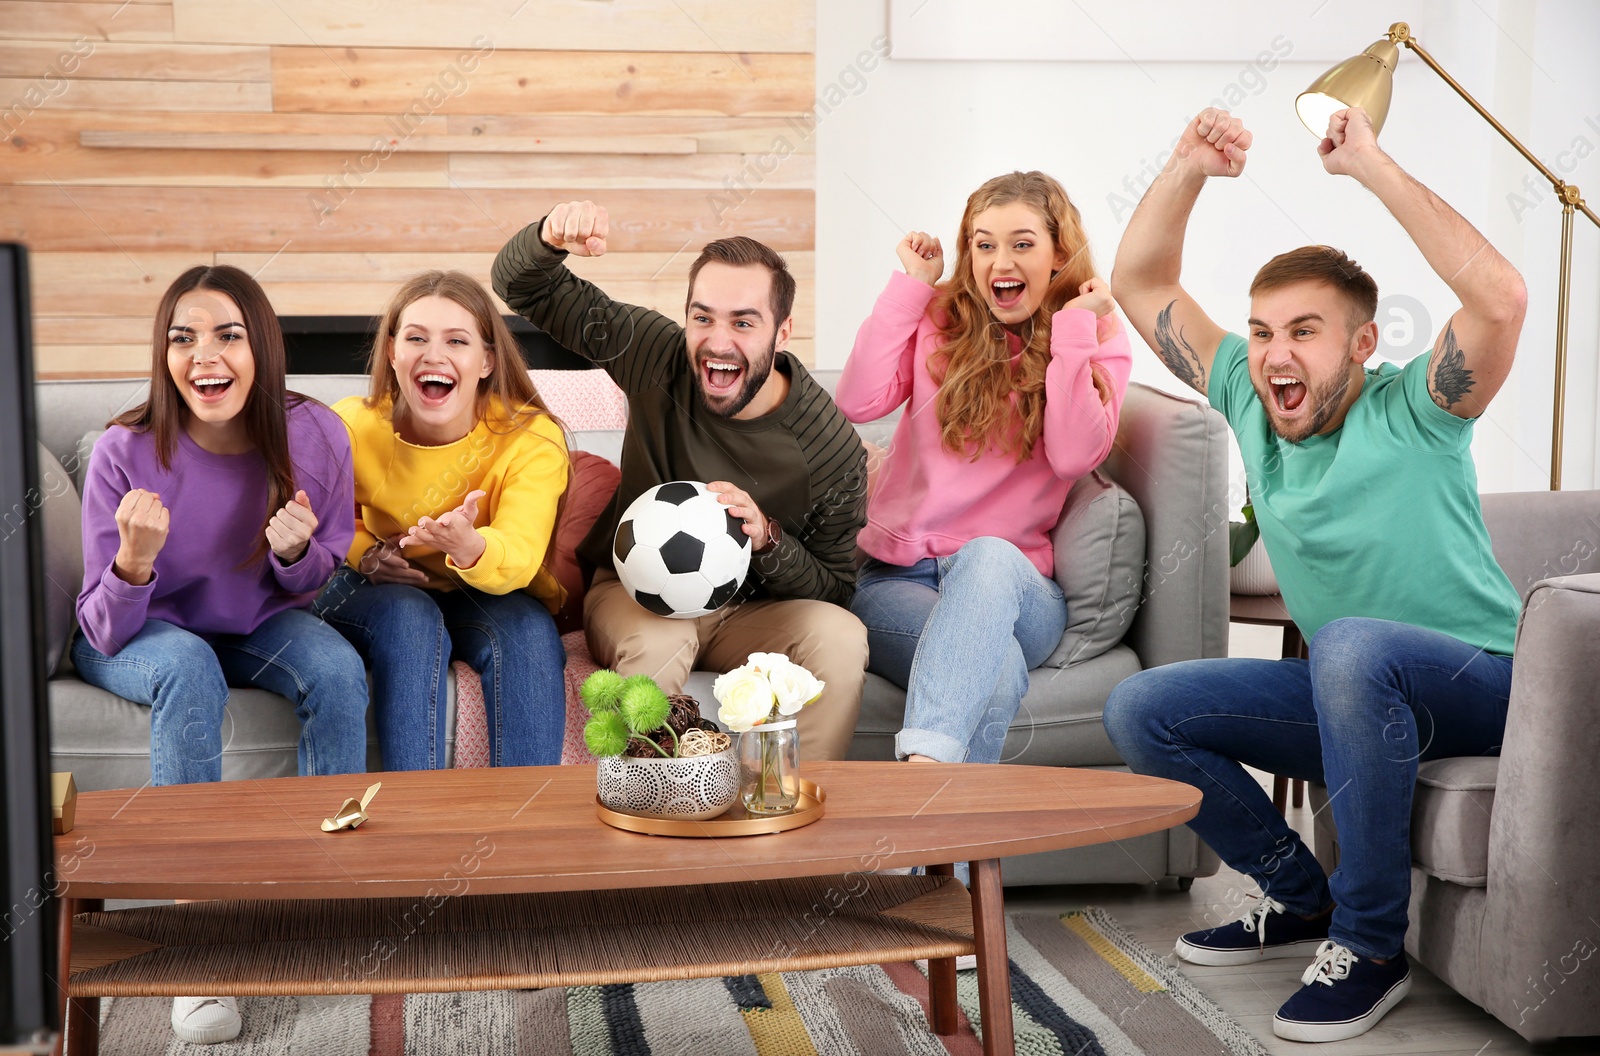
[353, 813]
[1367, 81]
[63, 802]
[736, 821]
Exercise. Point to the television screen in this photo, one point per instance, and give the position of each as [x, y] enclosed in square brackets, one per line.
[29, 1017]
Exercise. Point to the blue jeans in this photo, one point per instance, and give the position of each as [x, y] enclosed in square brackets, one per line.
[959, 634]
[1374, 699]
[408, 636]
[184, 679]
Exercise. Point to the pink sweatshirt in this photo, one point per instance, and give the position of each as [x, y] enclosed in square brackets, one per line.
[927, 501]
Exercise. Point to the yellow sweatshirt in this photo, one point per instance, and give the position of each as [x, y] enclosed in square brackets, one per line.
[522, 470]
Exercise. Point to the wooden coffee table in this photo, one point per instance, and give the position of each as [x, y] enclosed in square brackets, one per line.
[490, 879]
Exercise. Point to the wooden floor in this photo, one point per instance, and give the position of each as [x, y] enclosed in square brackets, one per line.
[1433, 1020]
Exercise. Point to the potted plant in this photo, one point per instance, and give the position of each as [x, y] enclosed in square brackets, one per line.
[657, 757]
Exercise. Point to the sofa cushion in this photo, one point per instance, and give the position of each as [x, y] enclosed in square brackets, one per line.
[1450, 818]
[1058, 724]
[594, 481]
[1099, 545]
[61, 526]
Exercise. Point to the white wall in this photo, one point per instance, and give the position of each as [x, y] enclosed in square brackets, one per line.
[907, 141]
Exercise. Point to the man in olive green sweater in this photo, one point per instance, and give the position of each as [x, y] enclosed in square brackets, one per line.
[719, 400]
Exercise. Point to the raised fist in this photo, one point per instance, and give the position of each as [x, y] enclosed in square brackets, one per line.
[922, 257]
[142, 531]
[1349, 141]
[1216, 143]
[580, 228]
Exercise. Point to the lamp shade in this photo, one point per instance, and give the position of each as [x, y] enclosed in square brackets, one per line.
[1367, 81]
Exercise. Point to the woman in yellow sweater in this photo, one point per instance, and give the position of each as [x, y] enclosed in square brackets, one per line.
[460, 470]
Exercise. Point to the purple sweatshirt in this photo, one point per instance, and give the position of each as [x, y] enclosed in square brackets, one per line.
[218, 505]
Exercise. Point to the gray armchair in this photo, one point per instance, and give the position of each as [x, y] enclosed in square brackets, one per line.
[1505, 878]
[1171, 456]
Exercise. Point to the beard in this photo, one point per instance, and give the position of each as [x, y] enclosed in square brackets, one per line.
[1325, 397]
[755, 376]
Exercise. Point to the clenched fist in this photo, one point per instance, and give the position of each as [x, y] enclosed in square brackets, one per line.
[922, 256]
[580, 228]
[1350, 142]
[289, 531]
[1216, 142]
[1094, 295]
[142, 528]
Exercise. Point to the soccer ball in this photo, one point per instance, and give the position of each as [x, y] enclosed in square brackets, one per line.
[679, 552]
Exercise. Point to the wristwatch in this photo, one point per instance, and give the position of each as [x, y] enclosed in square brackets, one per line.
[774, 536]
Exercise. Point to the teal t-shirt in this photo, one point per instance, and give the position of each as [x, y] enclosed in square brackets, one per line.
[1379, 518]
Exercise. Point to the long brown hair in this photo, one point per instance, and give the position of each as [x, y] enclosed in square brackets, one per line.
[973, 365]
[507, 383]
[265, 412]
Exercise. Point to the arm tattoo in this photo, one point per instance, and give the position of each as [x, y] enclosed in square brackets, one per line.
[1179, 356]
[1451, 378]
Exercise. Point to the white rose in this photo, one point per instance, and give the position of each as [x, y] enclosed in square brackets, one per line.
[766, 663]
[745, 697]
[794, 686]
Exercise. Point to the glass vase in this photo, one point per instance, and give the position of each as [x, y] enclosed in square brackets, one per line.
[769, 769]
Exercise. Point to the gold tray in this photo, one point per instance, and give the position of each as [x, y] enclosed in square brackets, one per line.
[734, 822]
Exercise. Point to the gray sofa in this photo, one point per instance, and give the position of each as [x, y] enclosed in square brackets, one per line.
[1505, 878]
[1169, 466]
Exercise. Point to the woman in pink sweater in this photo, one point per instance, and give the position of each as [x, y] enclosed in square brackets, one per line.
[1012, 374]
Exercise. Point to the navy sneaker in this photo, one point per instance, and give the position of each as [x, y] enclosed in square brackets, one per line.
[1266, 930]
[1343, 996]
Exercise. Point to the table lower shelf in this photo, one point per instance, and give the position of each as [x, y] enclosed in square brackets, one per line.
[445, 943]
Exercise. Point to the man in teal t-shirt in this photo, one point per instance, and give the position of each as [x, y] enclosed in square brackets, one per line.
[1364, 487]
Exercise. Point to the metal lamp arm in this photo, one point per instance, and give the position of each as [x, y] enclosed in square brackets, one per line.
[1400, 33]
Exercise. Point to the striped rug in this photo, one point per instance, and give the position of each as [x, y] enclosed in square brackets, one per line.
[1080, 985]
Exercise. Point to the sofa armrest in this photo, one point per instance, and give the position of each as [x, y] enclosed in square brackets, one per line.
[1544, 833]
[1172, 456]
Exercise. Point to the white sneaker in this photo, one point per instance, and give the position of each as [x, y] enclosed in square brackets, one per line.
[205, 1020]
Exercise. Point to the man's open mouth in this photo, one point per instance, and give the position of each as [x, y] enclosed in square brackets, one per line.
[721, 377]
[435, 387]
[1007, 292]
[1288, 393]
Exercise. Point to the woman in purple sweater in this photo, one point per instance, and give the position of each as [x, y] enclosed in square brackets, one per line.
[212, 515]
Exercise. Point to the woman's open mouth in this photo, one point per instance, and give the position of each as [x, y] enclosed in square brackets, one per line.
[1007, 292]
[720, 377]
[435, 387]
[1288, 393]
[211, 389]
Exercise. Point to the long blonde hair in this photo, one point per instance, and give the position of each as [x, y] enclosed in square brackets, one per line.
[973, 365]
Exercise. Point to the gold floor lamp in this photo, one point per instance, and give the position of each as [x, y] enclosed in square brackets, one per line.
[1367, 81]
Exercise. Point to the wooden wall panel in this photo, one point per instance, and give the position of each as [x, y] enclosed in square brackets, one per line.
[38, 20]
[109, 60]
[621, 25]
[145, 219]
[389, 81]
[335, 149]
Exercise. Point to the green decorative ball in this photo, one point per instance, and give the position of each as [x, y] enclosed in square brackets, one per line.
[602, 691]
[644, 705]
[606, 734]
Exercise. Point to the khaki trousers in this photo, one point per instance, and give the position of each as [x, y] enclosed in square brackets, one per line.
[824, 638]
